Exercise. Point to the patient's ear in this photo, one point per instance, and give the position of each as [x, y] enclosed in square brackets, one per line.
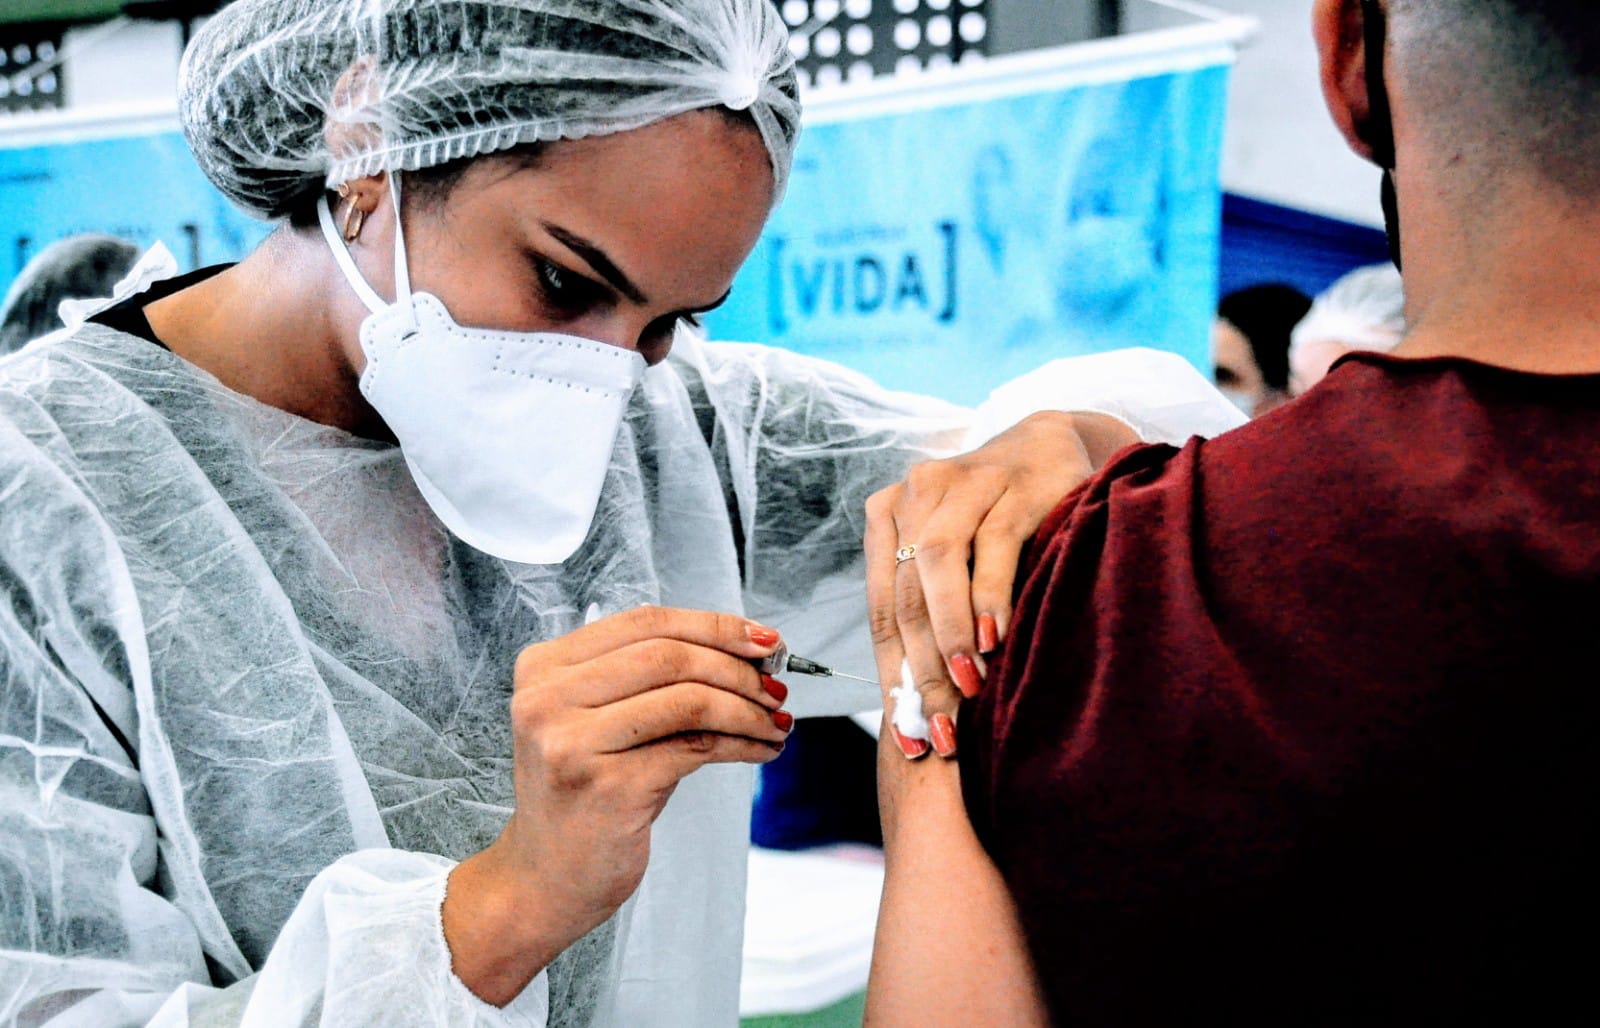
[1342, 56]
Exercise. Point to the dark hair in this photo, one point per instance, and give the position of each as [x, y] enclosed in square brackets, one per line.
[1536, 61]
[1566, 28]
[75, 268]
[1266, 314]
[1560, 37]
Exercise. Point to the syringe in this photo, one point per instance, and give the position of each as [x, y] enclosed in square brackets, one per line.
[779, 661]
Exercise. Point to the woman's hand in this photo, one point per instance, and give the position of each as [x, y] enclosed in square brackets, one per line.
[942, 606]
[606, 721]
[945, 905]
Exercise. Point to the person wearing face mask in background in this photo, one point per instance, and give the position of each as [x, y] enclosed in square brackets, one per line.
[1250, 345]
[346, 674]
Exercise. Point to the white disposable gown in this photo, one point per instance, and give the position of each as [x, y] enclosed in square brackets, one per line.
[253, 698]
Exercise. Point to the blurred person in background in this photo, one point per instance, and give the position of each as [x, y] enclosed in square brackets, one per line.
[1364, 310]
[81, 267]
[1250, 345]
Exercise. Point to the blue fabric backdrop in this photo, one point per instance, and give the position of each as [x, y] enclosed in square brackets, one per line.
[143, 188]
[949, 249]
[1265, 242]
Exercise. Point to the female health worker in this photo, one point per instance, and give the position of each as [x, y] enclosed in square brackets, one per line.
[346, 674]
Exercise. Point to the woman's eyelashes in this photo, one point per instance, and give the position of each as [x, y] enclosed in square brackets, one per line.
[567, 292]
[569, 295]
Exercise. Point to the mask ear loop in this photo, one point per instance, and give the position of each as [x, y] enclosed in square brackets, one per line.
[1380, 122]
[402, 276]
[1380, 119]
[347, 264]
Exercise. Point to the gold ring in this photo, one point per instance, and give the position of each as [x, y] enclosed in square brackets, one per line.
[904, 554]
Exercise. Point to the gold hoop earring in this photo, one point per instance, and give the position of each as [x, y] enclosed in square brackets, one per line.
[355, 219]
[344, 190]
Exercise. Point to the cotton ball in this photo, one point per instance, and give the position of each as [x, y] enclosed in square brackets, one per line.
[907, 716]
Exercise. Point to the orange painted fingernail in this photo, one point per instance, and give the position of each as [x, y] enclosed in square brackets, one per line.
[988, 634]
[776, 689]
[783, 719]
[761, 635]
[965, 671]
[943, 731]
[912, 748]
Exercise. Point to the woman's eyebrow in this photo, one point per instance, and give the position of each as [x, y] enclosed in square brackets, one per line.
[603, 266]
[597, 260]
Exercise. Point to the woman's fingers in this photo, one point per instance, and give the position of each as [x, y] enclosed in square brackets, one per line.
[646, 741]
[654, 664]
[996, 551]
[921, 601]
[938, 605]
[686, 708]
[944, 568]
[663, 764]
[880, 543]
[938, 686]
[667, 734]
[942, 734]
[728, 633]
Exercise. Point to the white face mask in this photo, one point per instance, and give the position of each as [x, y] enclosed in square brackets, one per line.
[507, 434]
[1242, 399]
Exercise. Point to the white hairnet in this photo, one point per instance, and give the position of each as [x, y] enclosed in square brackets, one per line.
[1364, 310]
[283, 98]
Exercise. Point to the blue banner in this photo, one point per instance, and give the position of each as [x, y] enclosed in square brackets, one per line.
[942, 250]
[948, 249]
[143, 188]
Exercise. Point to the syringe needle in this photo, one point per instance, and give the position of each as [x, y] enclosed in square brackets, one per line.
[802, 666]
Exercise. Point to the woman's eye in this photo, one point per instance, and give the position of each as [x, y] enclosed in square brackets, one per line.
[565, 290]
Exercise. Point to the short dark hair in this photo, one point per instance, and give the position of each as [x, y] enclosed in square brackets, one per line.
[1534, 63]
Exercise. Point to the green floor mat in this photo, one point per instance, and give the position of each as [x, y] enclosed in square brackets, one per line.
[847, 1013]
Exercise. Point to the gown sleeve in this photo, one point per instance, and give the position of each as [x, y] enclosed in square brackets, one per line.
[98, 924]
[1159, 395]
[804, 443]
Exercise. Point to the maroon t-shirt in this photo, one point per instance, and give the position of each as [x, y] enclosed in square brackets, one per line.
[1294, 726]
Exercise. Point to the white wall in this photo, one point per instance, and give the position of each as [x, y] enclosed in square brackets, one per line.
[1281, 144]
[134, 62]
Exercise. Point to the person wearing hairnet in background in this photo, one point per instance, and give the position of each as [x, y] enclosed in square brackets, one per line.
[327, 688]
[1364, 310]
